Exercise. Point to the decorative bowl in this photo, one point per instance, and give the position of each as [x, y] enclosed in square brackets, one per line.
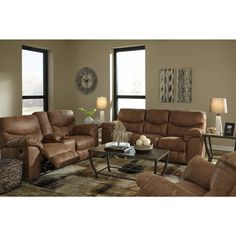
[143, 149]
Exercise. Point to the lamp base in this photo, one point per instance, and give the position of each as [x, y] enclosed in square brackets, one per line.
[102, 116]
[218, 125]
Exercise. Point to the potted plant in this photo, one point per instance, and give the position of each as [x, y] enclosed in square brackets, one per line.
[89, 115]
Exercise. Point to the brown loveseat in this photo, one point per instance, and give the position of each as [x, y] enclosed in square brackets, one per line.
[178, 131]
[201, 178]
[53, 136]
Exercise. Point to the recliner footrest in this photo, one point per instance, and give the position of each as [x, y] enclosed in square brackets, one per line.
[63, 159]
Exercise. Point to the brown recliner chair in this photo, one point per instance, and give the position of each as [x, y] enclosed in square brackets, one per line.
[201, 178]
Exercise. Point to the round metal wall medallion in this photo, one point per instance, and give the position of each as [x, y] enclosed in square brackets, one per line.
[86, 80]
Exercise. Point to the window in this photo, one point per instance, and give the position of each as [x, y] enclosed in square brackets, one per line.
[129, 78]
[34, 80]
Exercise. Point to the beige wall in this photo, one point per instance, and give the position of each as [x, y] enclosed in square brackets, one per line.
[10, 74]
[213, 63]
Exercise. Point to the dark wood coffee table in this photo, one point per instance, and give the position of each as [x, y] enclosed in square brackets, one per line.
[154, 155]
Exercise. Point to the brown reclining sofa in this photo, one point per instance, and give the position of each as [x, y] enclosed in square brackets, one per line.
[45, 135]
[178, 131]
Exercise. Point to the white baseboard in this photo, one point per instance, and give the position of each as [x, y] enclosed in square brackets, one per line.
[223, 148]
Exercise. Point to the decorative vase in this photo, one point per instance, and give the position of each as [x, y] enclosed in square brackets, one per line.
[88, 120]
[96, 121]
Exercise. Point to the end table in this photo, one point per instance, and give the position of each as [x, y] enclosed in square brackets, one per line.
[207, 137]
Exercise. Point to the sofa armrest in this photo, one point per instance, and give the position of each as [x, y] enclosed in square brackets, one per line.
[154, 185]
[107, 130]
[53, 138]
[199, 171]
[85, 129]
[24, 141]
[193, 133]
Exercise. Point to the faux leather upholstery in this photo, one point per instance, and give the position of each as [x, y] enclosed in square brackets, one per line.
[35, 137]
[224, 177]
[13, 127]
[181, 121]
[201, 178]
[172, 144]
[181, 132]
[44, 123]
[156, 122]
[62, 121]
[176, 146]
[155, 185]
[83, 142]
[133, 119]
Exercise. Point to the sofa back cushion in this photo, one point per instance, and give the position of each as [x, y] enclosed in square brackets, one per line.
[62, 121]
[156, 122]
[181, 121]
[133, 119]
[44, 123]
[18, 126]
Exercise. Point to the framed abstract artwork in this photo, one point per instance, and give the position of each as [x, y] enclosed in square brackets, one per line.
[167, 85]
[184, 85]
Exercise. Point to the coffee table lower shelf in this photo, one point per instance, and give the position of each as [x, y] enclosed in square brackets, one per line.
[155, 156]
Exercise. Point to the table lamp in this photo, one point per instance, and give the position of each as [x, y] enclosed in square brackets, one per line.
[218, 106]
[102, 105]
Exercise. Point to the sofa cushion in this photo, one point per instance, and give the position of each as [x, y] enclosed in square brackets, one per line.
[45, 125]
[70, 142]
[83, 141]
[133, 119]
[172, 144]
[19, 126]
[156, 122]
[62, 121]
[192, 187]
[52, 149]
[64, 159]
[181, 121]
[155, 185]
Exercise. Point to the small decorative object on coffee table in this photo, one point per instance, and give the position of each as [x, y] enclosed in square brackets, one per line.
[117, 146]
[143, 145]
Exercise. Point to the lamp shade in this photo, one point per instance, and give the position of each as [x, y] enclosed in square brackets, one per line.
[218, 105]
[101, 103]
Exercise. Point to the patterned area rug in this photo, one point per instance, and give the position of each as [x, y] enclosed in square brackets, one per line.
[78, 180]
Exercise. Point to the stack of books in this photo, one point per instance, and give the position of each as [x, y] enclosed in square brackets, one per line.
[117, 146]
